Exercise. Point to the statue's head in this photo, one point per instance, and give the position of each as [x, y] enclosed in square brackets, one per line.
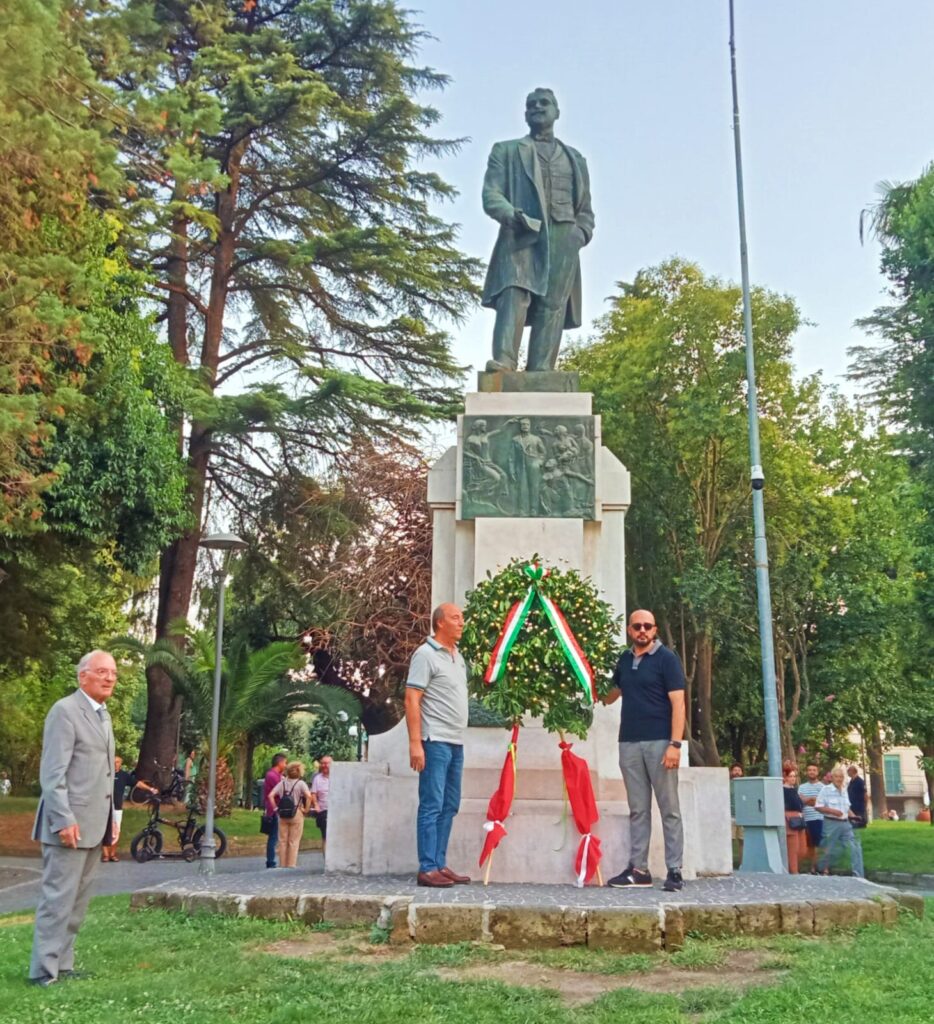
[479, 426]
[525, 426]
[561, 431]
[541, 109]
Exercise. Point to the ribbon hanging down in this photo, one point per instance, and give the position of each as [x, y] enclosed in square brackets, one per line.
[566, 640]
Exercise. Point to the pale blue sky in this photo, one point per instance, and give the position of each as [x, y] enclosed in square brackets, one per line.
[835, 96]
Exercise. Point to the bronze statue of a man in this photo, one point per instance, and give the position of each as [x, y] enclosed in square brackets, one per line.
[538, 189]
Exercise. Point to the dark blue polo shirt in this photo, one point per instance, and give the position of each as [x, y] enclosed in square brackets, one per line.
[645, 687]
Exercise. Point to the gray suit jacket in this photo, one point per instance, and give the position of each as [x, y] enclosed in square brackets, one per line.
[520, 258]
[76, 773]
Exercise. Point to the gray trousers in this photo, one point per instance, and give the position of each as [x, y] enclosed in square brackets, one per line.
[643, 772]
[66, 891]
[838, 834]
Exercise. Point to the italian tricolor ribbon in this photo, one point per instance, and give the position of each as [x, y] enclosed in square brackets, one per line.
[566, 639]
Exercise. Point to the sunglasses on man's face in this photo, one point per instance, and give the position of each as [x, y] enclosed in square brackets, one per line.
[639, 627]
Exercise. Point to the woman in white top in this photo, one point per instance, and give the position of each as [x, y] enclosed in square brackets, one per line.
[834, 804]
[291, 819]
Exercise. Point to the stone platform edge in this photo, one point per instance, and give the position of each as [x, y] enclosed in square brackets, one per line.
[402, 919]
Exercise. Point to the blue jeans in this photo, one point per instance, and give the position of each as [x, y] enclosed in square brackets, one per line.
[439, 798]
[272, 841]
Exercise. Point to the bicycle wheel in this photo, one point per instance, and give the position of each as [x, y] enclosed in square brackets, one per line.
[147, 845]
[220, 841]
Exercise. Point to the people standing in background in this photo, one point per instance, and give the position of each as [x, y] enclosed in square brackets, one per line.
[834, 804]
[320, 789]
[795, 830]
[856, 791]
[123, 780]
[289, 801]
[6, 787]
[813, 819]
[273, 777]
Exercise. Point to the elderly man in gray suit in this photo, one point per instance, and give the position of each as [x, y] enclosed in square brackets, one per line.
[538, 189]
[75, 814]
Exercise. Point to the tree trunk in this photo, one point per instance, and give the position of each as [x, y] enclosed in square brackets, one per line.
[927, 749]
[703, 695]
[250, 754]
[178, 563]
[880, 804]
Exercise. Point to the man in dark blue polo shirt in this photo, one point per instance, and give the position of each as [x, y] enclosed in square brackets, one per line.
[650, 680]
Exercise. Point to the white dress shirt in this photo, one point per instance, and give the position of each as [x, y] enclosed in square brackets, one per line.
[834, 798]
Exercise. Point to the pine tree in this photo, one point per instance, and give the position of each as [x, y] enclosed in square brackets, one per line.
[273, 156]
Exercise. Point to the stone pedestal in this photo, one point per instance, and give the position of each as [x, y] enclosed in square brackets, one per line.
[371, 826]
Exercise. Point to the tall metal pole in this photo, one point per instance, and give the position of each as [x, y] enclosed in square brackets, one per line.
[206, 865]
[770, 700]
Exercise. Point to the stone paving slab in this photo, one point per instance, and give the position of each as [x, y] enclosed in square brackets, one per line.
[517, 916]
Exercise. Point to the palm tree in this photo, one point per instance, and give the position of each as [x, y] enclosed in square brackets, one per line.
[259, 690]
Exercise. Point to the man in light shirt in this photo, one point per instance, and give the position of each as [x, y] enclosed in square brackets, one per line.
[813, 819]
[834, 804]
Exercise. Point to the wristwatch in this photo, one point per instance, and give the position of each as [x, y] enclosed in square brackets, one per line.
[676, 744]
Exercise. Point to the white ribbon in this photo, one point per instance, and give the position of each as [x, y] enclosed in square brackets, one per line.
[583, 871]
[488, 826]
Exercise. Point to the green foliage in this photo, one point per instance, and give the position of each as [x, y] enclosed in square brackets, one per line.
[53, 159]
[328, 735]
[537, 679]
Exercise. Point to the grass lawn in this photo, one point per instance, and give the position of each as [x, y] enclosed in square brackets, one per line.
[899, 846]
[163, 968]
[241, 829]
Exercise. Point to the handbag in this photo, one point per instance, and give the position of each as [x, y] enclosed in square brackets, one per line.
[796, 824]
[266, 823]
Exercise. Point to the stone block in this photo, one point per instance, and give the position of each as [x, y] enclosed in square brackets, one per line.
[625, 930]
[145, 898]
[310, 908]
[831, 914]
[868, 912]
[273, 908]
[213, 903]
[759, 918]
[175, 900]
[672, 928]
[797, 918]
[551, 381]
[352, 910]
[889, 911]
[394, 917]
[712, 922]
[536, 927]
[438, 923]
[910, 901]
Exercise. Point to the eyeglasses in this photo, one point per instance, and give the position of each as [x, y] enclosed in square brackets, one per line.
[639, 627]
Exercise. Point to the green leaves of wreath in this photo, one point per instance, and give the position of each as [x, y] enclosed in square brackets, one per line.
[538, 678]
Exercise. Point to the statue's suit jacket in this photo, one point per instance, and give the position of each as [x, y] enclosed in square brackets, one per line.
[520, 258]
[76, 773]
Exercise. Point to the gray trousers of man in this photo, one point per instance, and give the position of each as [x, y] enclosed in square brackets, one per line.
[67, 875]
[643, 772]
[838, 835]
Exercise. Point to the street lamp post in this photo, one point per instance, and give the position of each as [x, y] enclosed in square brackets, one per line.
[227, 543]
[764, 845]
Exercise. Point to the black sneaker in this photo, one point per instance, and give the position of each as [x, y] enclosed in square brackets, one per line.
[674, 882]
[631, 878]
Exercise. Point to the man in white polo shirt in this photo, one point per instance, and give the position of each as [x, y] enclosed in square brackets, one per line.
[436, 717]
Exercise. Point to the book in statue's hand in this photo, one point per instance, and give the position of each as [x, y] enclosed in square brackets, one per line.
[531, 223]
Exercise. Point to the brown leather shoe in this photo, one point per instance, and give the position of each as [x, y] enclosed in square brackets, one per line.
[455, 878]
[434, 880]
